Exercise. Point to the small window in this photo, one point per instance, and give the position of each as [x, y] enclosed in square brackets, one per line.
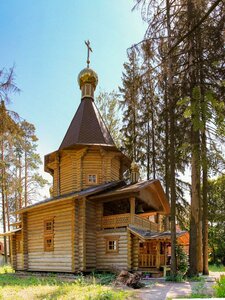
[48, 243]
[112, 245]
[92, 178]
[48, 226]
[49, 234]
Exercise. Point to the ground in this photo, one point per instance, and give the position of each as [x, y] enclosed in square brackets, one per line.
[162, 290]
[23, 286]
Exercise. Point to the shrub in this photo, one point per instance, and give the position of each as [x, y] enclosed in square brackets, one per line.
[182, 260]
[220, 287]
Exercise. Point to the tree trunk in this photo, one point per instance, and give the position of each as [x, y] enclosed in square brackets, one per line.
[205, 207]
[3, 201]
[171, 149]
[25, 181]
[194, 251]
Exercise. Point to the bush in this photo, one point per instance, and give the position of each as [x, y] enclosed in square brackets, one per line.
[182, 265]
[177, 278]
[220, 287]
[6, 269]
[182, 260]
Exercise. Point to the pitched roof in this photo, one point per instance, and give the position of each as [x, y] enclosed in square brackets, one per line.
[152, 235]
[87, 127]
[76, 194]
[150, 191]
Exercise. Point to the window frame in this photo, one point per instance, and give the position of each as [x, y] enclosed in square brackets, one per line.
[112, 239]
[49, 234]
[92, 182]
[48, 248]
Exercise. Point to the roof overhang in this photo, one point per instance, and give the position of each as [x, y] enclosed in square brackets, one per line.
[151, 192]
[146, 235]
[11, 232]
[72, 196]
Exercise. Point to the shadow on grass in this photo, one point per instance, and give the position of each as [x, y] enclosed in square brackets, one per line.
[12, 280]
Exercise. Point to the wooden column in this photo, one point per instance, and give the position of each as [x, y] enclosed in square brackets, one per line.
[157, 254]
[24, 242]
[83, 233]
[129, 250]
[83, 152]
[132, 209]
[135, 252]
[73, 237]
[58, 173]
[13, 251]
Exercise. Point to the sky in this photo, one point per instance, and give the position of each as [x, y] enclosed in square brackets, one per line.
[44, 40]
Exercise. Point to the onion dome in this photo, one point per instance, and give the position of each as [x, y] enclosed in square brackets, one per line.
[88, 76]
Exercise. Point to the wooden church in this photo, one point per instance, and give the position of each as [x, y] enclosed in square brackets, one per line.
[94, 219]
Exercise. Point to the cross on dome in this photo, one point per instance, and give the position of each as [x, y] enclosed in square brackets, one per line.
[87, 43]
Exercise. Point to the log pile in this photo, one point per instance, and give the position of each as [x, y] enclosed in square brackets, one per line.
[129, 279]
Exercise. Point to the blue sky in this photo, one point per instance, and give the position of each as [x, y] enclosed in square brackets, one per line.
[45, 41]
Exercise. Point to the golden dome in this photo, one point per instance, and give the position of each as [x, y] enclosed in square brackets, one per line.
[87, 75]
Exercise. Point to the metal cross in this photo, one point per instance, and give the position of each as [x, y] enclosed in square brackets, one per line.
[88, 53]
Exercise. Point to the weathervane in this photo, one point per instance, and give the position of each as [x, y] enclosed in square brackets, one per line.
[88, 52]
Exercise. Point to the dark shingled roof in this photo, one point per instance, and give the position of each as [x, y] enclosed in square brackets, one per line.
[87, 127]
[150, 235]
[77, 194]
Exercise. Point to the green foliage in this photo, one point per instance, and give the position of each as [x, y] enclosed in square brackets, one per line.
[176, 278]
[182, 265]
[104, 278]
[216, 220]
[6, 269]
[198, 290]
[182, 260]
[216, 268]
[220, 287]
[108, 105]
[13, 286]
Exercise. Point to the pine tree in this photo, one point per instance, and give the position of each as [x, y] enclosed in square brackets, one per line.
[108, 104]
[130, 104]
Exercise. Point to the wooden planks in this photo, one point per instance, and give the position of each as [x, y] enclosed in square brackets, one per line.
[60, 259]
[90, 235]
[109, 261]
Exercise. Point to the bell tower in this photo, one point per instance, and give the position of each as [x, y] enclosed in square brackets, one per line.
[87, 155]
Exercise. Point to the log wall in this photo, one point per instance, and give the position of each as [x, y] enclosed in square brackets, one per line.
[134, 252]
[71, 168]
[60, 259]
[90, 235]
[112, 261]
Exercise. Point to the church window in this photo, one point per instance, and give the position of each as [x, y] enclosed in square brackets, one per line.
[48, 226]
[92, 178]
[49, 235]
[48, 243]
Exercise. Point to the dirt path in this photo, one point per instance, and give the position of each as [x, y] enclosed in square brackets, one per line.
[164, 289]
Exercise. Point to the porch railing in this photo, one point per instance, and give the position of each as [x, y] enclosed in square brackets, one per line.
[146, 224]
[151, 260]
[147, 260]
[115, 221]
[122, 220]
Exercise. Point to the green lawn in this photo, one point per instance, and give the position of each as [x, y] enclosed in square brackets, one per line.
[216, 268]
[14, 287]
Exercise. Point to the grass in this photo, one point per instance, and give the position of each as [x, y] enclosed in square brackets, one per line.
[216, 268]
[14, 287]
[220, 287]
